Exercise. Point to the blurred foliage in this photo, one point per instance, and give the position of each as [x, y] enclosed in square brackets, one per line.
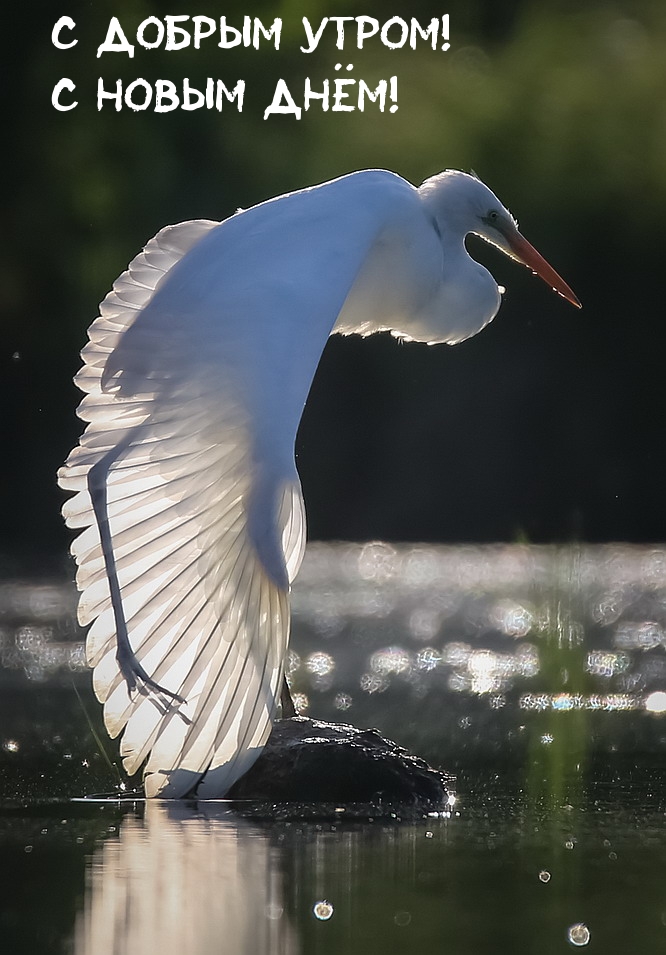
[560, 107]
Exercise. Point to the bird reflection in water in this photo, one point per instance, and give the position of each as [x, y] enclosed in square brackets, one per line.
[184, 880]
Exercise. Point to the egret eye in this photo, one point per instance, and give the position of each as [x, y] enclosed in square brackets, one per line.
[494, 219]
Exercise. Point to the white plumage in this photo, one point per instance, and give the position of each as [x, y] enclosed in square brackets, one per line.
[195, 378]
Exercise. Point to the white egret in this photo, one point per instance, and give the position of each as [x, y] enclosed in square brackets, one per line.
[196, 375]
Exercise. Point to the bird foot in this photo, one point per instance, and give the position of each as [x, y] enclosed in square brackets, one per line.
[137, 679]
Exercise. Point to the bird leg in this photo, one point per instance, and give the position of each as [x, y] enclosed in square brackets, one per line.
[286, 701]
[130, 668]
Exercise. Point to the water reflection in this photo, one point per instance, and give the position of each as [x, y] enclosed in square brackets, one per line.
[504, 872]
[537, 674]
[187, 880]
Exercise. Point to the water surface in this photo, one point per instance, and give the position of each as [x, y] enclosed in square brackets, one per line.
[537, 675]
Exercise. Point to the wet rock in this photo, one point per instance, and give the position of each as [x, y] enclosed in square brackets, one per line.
[311, 762]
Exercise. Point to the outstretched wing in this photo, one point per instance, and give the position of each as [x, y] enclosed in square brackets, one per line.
[195, 377]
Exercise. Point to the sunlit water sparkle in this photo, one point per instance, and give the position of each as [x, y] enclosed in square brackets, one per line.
[537, 674]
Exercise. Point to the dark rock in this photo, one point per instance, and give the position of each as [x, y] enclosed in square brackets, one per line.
[310, 762]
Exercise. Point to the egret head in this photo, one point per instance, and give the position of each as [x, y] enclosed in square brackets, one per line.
[462, 204]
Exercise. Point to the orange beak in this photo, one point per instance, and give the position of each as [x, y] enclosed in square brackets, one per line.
[529, 256]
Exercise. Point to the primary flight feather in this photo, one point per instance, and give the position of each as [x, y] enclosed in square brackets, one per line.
[195, 378]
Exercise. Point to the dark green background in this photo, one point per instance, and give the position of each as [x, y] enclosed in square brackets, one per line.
[548, 426]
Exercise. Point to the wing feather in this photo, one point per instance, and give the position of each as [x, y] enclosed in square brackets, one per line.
[190, 580]
[195, 376]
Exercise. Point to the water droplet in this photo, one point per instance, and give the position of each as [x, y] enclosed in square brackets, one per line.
[390, 660]
[578, 934]
[402, 918]
[322, 910]
[320, 663]
[373, 683]
[544, 876]
[656, 702]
